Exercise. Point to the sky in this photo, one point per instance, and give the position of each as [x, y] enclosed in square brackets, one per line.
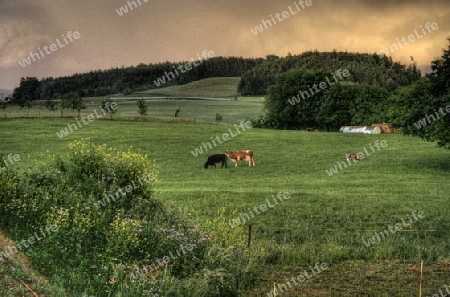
[158, 31]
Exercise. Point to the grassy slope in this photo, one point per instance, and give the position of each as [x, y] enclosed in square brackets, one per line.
[210, 87]
[326, 218]
[231, 111]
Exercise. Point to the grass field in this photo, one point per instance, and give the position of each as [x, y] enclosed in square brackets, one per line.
[222, 87]
[191, 111]
[326, 218]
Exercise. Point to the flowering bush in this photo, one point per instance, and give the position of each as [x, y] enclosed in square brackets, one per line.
[123, 237]
[98, 246]
[9, 192]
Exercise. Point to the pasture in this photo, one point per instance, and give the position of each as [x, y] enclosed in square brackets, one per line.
[326, 218]
[191, 111]
[163, 110]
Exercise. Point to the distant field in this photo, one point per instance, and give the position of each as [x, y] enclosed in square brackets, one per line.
[211, 87]
[326, 218]
[158, 110]
[232, 112]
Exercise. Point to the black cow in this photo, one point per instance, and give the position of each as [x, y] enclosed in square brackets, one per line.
[218, 158]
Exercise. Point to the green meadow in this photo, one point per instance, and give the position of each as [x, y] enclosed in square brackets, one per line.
[326, 218]
[233, 110]
[191, 111]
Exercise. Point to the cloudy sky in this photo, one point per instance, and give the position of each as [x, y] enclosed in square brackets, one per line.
[178, 30]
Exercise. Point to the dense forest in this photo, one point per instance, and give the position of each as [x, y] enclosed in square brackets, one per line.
[364, 68]
[126, 80]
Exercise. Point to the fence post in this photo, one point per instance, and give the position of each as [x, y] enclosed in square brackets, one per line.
[249, 238]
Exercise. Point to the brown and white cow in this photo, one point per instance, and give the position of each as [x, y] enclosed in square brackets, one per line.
[236, 156]
[352, 157]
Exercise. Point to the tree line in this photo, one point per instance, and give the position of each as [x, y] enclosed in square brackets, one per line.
[126, 80]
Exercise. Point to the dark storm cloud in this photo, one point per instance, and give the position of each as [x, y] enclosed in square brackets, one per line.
[177, 30]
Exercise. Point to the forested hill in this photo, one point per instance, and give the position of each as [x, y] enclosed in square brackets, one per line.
[141, 77]
[257, 74]
[364, 68]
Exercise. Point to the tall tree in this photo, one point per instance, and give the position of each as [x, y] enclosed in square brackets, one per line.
[142, 107]
[28, 90]
[425, 106]
[440, 75]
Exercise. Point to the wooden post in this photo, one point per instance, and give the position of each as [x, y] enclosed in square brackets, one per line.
[421, 277]
[249, 235]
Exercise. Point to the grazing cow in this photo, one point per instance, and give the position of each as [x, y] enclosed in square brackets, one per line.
[236, 156]
[352, 157]
[218, 158]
